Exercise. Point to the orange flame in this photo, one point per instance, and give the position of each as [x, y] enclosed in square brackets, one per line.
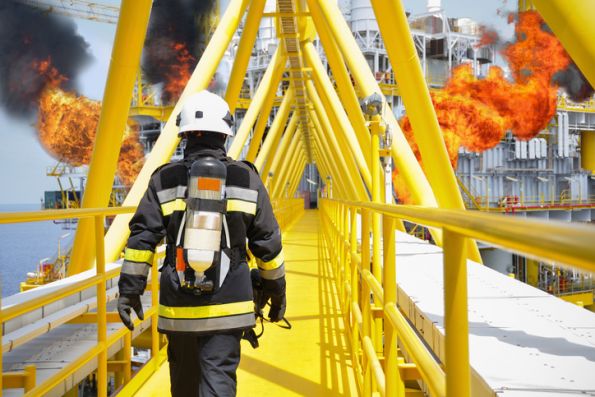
[53, 78]
[487, 37]
[476, 113]
[179, 72]
[67, 124]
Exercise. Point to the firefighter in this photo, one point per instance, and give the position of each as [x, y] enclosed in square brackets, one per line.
[204, 314]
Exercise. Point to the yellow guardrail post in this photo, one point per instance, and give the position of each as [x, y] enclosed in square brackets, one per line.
[365, 300]
[456, 321]
[101, 308]
[394, 384]
[375, 129]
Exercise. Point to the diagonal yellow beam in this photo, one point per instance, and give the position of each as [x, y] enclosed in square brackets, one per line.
[334, 139]
[281, 172]
[272, 150]
[335, 111]
[416, 96]
[274, 134]
[297, 176]
[340, 171]
[403, 156]
[124, 66]
[282, 152]
[168, 139]
[263, 117]
[344, 85]
[288, 178]
[285, 168]
[242, 57]
[270, 78]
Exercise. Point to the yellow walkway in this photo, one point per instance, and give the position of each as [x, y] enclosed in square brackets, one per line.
[311, 359]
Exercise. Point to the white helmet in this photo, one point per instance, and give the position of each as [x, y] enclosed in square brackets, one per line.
[205, 111]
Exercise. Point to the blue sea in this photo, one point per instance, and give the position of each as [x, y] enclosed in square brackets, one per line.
[23, 245]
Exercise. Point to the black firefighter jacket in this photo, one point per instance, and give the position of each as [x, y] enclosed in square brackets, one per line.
[250, 218]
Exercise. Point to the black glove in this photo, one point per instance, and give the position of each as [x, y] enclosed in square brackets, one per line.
[126, 302]
[275, 289]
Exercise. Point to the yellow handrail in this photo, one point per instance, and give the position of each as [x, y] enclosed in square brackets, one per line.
[553, 241]
[98, 352]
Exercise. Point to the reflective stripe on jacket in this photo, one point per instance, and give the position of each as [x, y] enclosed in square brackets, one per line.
[249, 217]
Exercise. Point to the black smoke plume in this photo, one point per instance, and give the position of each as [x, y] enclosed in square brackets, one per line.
[174, 40]
[574, 83]
[29, 36]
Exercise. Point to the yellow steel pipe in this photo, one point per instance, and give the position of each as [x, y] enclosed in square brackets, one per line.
[336, 159]
[270, 78]
[261, 123]
[242, 57]
[343, 164]
[430, 370]
[287, 167]
[335, 110]
[573, 243]
[263, 117]
[401, 152]
[456, 319]
[344, 85]
[282, 152]
[334, 140]
[323, 163]
[416, 96]
[297, 177]
[274, 134]
[294, 169]
[281, 175]
[394, 384]
[275, 145]
[168, 139]
[287, 178]
[572, 22]
[289, 156]
[101, 308]
[124, 66]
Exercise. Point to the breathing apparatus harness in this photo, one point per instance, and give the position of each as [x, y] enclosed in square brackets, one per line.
[201, 265]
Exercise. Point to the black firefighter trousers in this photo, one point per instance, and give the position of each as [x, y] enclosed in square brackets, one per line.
[204, 366]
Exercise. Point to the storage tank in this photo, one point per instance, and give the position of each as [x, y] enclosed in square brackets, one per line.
[362, 17]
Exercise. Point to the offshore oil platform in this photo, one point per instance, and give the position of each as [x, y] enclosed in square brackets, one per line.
[434, 183]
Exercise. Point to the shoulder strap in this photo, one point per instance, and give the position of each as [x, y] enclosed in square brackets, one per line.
[251, 165]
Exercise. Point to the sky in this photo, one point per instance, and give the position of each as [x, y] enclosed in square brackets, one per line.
[23, 162]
